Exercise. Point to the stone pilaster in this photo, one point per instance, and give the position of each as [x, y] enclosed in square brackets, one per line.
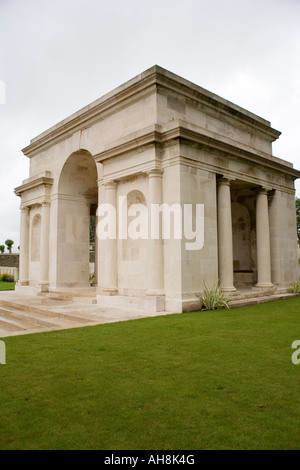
[100, 251]
[45, 235]
[155, 251]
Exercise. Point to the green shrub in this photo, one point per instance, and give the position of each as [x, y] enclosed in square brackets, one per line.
[214, 298]
[295, 289]
[5, 277]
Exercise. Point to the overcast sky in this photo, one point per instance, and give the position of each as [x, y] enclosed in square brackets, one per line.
[58, 56]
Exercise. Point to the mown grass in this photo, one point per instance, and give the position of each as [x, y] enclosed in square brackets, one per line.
[7, 285]
[186, 381]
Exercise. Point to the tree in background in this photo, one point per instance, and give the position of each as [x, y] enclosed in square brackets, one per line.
[2, 248]
[92, 229]
[9, 244]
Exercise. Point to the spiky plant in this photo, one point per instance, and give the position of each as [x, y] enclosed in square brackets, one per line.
[214, 298]
[295, 289]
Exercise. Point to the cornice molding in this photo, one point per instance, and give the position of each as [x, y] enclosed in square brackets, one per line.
[181, 132]
[216, 103]
[95, 112]
[41, 181]
[153, 80]
[147, 137]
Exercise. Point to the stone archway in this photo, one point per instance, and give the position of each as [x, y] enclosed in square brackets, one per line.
[77, 196]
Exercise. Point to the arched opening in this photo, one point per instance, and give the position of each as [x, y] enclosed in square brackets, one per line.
[77, 199]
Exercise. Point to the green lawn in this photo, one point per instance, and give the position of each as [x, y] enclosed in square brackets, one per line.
[189, 381]
[7, 285]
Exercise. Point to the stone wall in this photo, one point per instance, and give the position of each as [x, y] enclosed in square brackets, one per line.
[9, 259]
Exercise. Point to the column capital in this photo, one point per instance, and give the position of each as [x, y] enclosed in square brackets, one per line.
[111, 184]
[154, 173]
[224, 181]
[263, 190]
[25, 209]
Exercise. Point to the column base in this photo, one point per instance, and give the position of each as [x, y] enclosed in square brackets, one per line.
[44, 285]
[22, 283]
[228, 289]
[22, 288]
[264, 285]
[108, 291]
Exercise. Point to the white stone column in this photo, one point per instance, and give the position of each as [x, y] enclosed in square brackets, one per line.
[263, 240]
[45, 235]
[100, 252]
[225, 236]
[24, 247]
[155, 250]
[111, 246]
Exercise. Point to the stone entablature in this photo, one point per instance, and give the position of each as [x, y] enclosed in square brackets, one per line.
[159, 139]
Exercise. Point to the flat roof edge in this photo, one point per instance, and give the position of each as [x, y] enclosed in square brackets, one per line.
[154, 75]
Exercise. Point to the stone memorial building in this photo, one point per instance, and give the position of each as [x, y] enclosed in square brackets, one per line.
[158, 141]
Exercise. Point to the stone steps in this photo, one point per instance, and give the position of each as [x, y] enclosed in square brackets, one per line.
[8, 324]
[32, 313]
[36, 320]
[258, 298]
[248, 293]
[86, 295]
[25, 317]
[48, 309]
